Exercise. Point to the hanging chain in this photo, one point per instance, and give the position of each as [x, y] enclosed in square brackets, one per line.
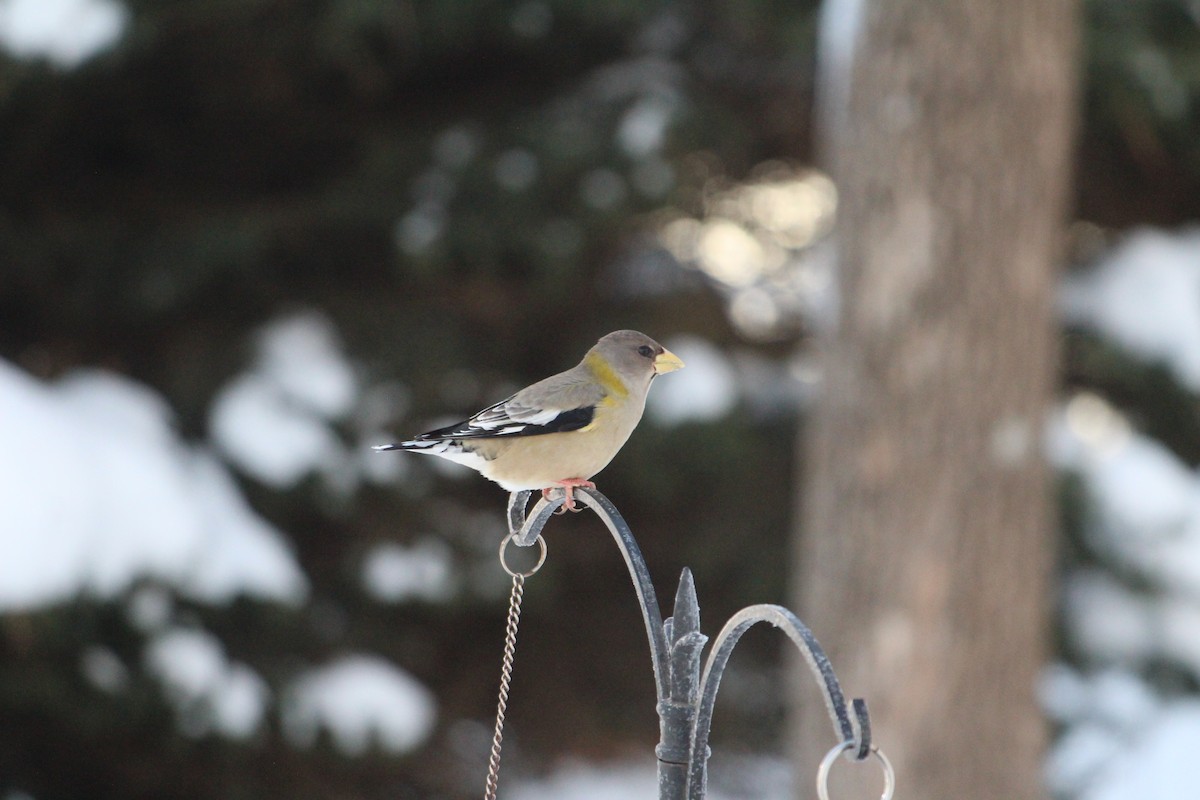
[510, 646]
[506, 667]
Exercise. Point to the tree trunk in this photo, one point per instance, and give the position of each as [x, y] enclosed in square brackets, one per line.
[927, 536]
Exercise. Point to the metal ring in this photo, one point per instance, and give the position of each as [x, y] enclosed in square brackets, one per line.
[541, 543]
[889, 774]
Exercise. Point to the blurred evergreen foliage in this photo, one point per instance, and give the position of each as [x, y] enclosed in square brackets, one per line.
[460, 187]
[452, 185]
[1139, 154]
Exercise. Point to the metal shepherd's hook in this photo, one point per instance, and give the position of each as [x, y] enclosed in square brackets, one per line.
[687, 693]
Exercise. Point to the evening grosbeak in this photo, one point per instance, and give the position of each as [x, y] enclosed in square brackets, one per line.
[562, 430]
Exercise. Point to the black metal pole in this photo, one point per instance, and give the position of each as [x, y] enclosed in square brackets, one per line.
[686, 697]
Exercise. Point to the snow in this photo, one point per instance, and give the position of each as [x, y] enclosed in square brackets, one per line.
[394, 573]
[1147, 501]
[301, 355]
[420, 229]
[360, 700]
[1147, 507]
[581, 781]
[104, 669]
[643, 128]
[97, 491]
[1079, 756]
[381, 404]
[149, 608]
[271, 439]
[735, 778]
[67, 32]
[706, 389]
[1122, 741]
[1168, 626]
[274, 421]
[243, 550]
[209, 692]
[1146, 297]
[1106, 621]
[1139, 608]
[1103, 712]
[1158, 765]
[1142, 486]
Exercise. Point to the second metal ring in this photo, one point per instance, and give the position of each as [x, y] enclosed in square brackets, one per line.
[541, 543]
[889, 774]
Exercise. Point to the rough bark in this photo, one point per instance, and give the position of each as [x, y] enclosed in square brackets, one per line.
[926, 529]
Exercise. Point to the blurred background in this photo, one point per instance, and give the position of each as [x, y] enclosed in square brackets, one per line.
[241, 242]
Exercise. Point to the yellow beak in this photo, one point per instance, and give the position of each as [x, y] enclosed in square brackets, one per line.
[667, 362]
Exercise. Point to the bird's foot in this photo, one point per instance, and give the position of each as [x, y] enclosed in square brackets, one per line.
[569, 485]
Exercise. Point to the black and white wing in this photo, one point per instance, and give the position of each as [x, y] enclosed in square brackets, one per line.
[562, 403]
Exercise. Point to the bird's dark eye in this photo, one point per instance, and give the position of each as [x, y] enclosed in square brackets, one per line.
[646, 350]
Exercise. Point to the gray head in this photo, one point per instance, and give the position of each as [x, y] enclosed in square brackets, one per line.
[633, 356]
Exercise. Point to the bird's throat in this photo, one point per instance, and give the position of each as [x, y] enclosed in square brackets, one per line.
[606, 375]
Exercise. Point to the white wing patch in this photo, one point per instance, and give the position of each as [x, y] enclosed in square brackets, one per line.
[499, 418]
[506, 418]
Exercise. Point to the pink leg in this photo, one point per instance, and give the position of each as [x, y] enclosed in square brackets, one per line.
[569, 485]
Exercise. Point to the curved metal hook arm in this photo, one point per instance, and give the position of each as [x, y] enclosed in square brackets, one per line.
[818, 662]
[525, 530]
[528, 528]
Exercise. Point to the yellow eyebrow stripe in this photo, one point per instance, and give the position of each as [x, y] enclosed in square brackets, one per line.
[606, 375]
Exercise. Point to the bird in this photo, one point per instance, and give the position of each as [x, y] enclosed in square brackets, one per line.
[560, 431]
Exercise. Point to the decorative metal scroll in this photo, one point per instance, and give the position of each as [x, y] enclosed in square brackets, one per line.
[687, 693]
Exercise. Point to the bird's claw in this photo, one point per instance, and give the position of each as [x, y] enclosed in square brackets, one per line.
[569, 504]
[568, 488]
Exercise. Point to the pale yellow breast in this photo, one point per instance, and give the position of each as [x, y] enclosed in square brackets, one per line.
[534, 462]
